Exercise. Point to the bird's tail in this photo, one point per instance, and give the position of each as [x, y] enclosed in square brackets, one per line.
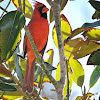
[29, 77]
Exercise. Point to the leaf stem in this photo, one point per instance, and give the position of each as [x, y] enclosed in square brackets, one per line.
[24, 7]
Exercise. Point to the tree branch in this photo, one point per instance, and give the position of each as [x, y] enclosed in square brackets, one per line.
[56, 7]
[5, 9]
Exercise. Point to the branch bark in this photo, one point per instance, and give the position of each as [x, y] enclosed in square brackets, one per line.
[56, 7]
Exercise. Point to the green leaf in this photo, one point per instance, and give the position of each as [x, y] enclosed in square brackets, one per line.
[94, 58]
[78, 73]
[7, 87]
[95, 76]
[96, 15]
[93, 24]
[66, 30]
[95, 4]
[92, 34]
[5, 80]
[10, 27]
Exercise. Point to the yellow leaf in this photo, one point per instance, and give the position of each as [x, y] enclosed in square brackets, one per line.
[50, 59]
[12, 95]
[28, 8]
[66, 30]
[78, 73]
[58, 73]
[92, 34]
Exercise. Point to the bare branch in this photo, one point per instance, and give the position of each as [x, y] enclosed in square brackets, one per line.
[56, 7]
[5, 8]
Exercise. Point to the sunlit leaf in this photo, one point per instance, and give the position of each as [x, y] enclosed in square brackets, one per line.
[58, 73]
[22, 63]
[95, 4]
[92, 34]
[7, 87]
[11, 63]
[51, 54]
[95, 76]
[78, 73]
[70, 86]
[58, 79]
[10, 33]
[4, 72]
[85, 97]
[94, 58]
[66, 30]
[12, 95]
[87, 49]
[28, 8]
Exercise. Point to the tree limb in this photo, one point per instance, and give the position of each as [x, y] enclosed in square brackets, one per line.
[56, 7]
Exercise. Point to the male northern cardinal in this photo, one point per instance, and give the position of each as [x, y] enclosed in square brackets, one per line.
[39, 29]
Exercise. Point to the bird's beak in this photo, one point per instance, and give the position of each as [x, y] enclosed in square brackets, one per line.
[45, 9]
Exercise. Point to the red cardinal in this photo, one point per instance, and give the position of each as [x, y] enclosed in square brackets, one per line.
[39, 29]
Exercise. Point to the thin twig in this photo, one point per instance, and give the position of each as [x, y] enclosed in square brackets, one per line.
[5, 8]
[24, 7]
[2, 95]
[67, 80]
[20, 6]
[40, 84]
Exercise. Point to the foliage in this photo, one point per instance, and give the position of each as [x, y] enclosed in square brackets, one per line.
[11, 63]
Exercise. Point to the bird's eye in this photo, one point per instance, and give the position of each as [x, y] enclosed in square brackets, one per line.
[40, 8]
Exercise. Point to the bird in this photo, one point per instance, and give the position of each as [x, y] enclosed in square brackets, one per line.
[39, 29]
